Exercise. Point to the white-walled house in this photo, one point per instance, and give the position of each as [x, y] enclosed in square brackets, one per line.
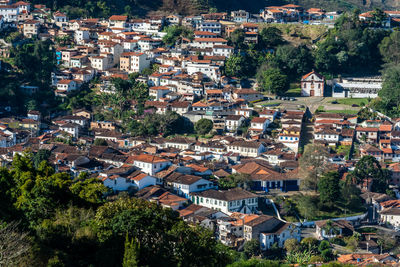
[71, 128]
[150, 164]
[279, 235]
[258, 125]
[233, 122]
[390, 216]
[66, 85]
[227, 201]
[137, 180]
[246, 149]
[183, 184]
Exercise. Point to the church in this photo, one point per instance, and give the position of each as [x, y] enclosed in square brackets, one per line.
[312, 84]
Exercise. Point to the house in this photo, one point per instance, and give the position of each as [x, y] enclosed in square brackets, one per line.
[106, 125]
[117, 21]
[395, 171]
[158, 92]
[248, 95]
[179, 143]
[290, 137]
[134, 62]
[368, 134]
[71, 128]
[390, 216]
[210, 26]
[270, 114]
[246, 148]
[265, 178]
[331, 136]
[258, 125]
[67, 85]
[34, 115]
[31, 28]
[233, 122]
[328, 229]
[263, 223]
[150, 164]
[247, 113]
[137, 180]
[169, 200]
[312, 84]
[279, 235]
[180, 107]
[227, 201]
[60, 19]
[184, 184]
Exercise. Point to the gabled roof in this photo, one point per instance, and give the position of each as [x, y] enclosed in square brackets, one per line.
[148, 158]
[118, 18]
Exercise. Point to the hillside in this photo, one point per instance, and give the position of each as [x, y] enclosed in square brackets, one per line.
[138, 8]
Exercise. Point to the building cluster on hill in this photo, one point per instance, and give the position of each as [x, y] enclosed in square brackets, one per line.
[261, 145]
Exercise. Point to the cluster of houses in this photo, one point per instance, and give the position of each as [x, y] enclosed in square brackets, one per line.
[182, 173]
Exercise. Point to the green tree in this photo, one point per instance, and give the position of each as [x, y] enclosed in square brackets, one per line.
[292, 245]
[41, 155]
[89, 190]
[237, 38]
[368, 168]
[100, 142]
[252, 248]
[237, 65]
[391, 87]
[329, 188]
[272, 80]
[235, 180]
[390, 48]
[313, 164]
[307, 206]
[379, 16]
[270, 37]
[293, 61]
[203, 126]
[131, 253]
[176, 33]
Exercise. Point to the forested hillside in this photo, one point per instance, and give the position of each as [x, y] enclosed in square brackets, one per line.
[104, 8]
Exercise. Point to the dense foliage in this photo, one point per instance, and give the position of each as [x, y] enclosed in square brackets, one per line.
[69, 223]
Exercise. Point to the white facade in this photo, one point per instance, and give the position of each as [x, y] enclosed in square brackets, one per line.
[245, 205]
[268, 239]
[185, 189]
[357, 88]
[151, 168]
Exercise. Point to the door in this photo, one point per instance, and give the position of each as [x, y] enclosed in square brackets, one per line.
[312, 93]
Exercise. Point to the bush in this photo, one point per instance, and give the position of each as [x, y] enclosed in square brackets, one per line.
[324, 245]
[315, 259]
[327, 255]
[338, 241]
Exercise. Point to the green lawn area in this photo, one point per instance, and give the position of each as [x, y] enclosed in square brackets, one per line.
[271, 104]
[351, 101]
[294, 90]
[344, 111]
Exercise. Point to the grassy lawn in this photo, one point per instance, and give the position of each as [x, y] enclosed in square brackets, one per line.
[344, 111]
[294, 90]
[271, 104]
[367, 230]
[352, 101]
